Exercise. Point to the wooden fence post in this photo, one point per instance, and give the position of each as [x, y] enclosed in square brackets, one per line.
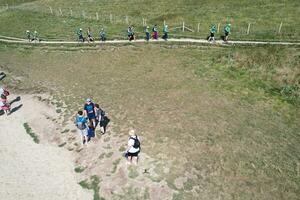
[60, 11]
[279, 29]
[126, 20]
[182, 26]
[198, 27]
[110, 18]
[51, 11]
[164, 22]
[248, 30]
[83, 14]
[97, 16]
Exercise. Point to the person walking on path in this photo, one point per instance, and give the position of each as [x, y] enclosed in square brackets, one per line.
[81, 124]
[212, 30]
[133, 149]
[147, 32]
[35, 36]
[89, 34]
[227, 31]
[28, 34]
[130, 33]
[155, 32]
[100, 118]
[90, 111]
[102, 35]
[165, 31]
[80, 35]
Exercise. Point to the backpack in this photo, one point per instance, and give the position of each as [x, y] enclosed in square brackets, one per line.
[137, 143]
[80, 123]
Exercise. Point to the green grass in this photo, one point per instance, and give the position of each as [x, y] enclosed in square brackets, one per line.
[265, 17]
[31, 133]
[79, 169]
[234, 111]
[133, 172]
[92, 184]
[115, 165]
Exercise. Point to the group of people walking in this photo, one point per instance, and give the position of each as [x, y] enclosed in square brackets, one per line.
[87, 121]
[132, 35]
[90, 38]
[32, 36]
[213, 30]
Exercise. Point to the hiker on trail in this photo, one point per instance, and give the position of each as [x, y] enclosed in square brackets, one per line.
[35, 36]
[90, 111]
[89, 34]
[101, 118]
[4, 104]
[130, 33]
[155, 32]
[133, 149]
[102, 35]
[165, 31]
[147, 32]
[90, 132]
[81, 124]
[80, 35]
[28, 34]
[212, 30]
[227, 30]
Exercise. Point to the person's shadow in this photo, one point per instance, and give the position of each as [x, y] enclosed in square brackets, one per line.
[15, 109]
[2, 75]
[105, 123]
[18, 98]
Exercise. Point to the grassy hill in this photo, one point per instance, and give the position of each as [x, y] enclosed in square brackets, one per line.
[265, 17]
[218, 120]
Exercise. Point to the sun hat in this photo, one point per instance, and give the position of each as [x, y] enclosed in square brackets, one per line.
[88, 100]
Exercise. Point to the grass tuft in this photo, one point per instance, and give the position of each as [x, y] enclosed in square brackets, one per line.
[31, 133]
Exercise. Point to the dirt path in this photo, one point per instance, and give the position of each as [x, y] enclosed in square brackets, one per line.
[29, 170]
[7, 39]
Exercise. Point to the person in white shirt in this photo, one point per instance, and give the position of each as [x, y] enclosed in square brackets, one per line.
[133, 148]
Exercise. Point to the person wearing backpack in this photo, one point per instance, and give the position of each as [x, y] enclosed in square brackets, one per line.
[81, 124]
[155, 32]
[134, 148]
[101, 118]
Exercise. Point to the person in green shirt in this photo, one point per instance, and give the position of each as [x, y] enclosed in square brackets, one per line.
[147, 33]
[80, 35]
[35, 36]
[102, 35]
[227, 30]
[212, 30]
[165, 31]
[28, 34]
[130, 33]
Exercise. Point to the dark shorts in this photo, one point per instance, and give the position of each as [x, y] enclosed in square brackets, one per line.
[133, 154]
[226, 33]
[91, 115]
[212, 35]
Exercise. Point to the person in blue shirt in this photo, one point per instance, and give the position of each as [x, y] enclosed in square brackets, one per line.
[81, 124]
[90, 111]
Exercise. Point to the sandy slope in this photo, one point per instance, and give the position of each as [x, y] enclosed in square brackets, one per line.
[29, 170]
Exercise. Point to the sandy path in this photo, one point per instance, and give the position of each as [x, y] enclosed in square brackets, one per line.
[29, 170]
[182, 40]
